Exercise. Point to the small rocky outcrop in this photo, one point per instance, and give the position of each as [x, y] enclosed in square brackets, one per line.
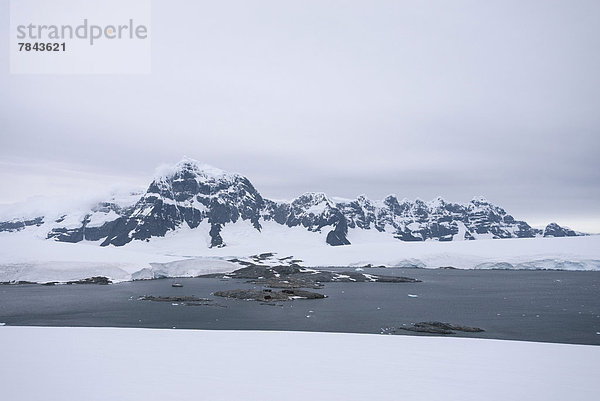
[92, 280]
[269, 295]
[440, 328]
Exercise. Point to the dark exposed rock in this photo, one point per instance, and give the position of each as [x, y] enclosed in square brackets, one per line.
[258, 295]
[99, 280]
[92, 280]
[554, 230]
[337, 236]
[242, 262]
[20, 282]
[252, 272]
[267, 255]
[66, 235]
[17, 224]
[314, 211]
[440, 328]
[294, 276]
[216, 241]
[188, 195]
[172, 298]
[288, 283]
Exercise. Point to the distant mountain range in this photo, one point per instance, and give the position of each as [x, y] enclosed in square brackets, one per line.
[191, 193]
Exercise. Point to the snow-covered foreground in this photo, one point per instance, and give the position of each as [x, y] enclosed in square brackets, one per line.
[26, 256]
[145, 364]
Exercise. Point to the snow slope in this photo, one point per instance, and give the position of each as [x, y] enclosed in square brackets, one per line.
[145, 364]
[370, 246]
[27, 257]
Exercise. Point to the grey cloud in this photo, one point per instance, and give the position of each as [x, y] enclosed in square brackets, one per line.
[416, 98]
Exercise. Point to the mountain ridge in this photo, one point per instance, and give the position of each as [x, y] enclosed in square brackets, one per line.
[190, 192]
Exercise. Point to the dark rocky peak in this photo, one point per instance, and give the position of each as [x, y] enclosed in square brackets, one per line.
[481, 206]
[479, 201]
[364, 201]
[438, 203]
[391, 201]
[190, 177]
[419, 209]
[360, 212]
[313, 201]
[314, 210]
[395, 206]
[554, 230]
[190, 192]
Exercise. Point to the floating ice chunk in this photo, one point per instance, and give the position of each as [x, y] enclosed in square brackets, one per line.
[413, 295]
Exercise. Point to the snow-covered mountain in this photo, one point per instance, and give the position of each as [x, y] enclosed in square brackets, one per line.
[198, 196]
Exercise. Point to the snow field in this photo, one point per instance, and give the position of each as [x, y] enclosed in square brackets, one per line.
[149, 364]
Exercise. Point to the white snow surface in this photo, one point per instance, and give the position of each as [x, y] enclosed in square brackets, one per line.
[53, 208]
[192, 267]
[97, 219]
[148, 364]
[204, 171]
[372, 247]
[28, 256]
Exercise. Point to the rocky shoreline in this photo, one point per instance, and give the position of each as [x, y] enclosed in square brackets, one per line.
[296, 276]
[99, 280]
[269, 295]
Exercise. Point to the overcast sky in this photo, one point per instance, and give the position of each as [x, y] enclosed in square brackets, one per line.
[420, 98]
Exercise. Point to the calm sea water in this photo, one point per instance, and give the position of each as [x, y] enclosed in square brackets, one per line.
[550, 306]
